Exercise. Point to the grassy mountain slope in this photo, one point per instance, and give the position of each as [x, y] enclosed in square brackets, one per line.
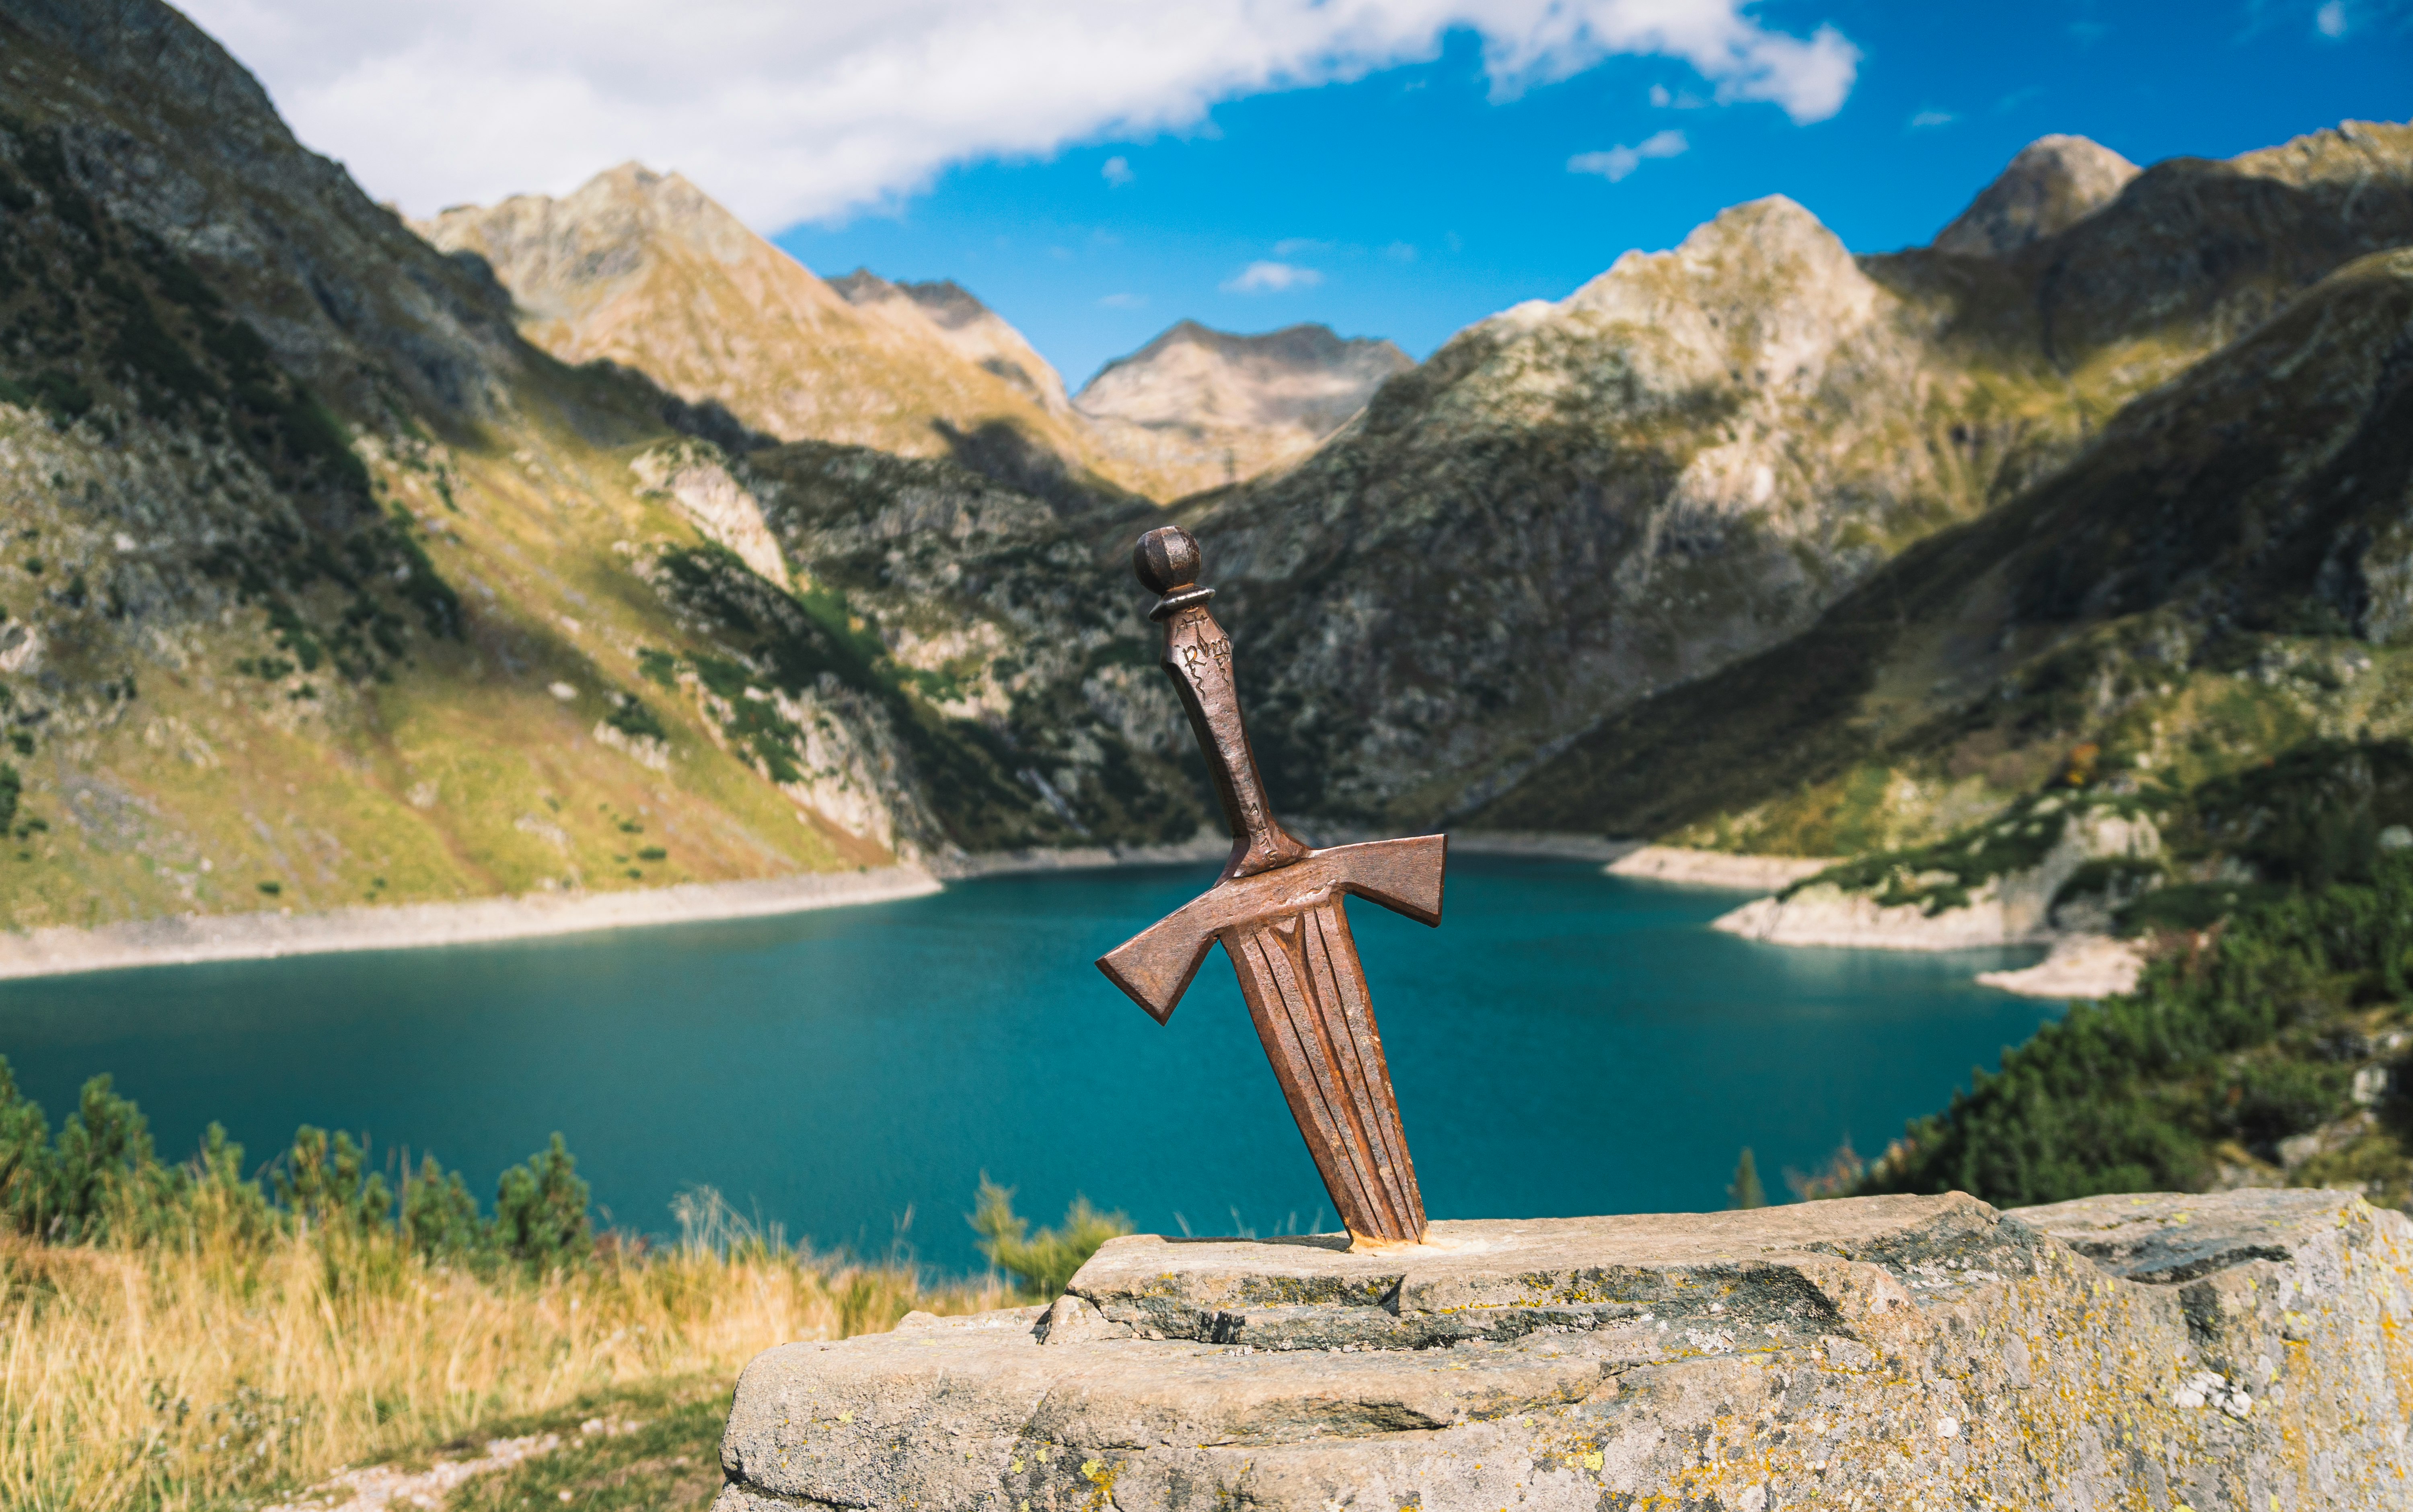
[323, 586]
[1572, 507]
[2221, 576]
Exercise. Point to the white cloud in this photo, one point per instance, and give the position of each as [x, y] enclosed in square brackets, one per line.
[2330, 20]
[1290, 246]
[1930, 120]
[1271, 278]
[1619, 161]
[1117, 172]
[795, 112]
[1400, 252]
[1123, 301]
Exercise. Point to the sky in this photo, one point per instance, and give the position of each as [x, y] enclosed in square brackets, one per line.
[1097, 170]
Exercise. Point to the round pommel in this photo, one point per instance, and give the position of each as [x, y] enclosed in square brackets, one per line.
[1166, 558]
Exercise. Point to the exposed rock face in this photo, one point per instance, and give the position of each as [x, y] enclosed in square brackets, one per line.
[2051, 185]
[645, 269]
[1202, 408]
[2237, 1351]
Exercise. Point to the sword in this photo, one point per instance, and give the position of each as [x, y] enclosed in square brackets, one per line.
[1277, 910]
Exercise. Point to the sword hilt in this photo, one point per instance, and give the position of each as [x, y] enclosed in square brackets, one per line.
[1198, 657]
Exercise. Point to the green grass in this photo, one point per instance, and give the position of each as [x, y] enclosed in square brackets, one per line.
[657, 1450]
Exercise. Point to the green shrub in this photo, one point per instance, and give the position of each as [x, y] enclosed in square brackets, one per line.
[440, 1218]
[1044, 1262]
[541, 1210]
[100, 1182]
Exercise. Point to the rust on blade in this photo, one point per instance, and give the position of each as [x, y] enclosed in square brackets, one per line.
[1300, 978]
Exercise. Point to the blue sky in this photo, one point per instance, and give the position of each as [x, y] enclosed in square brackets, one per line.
[1419, 203]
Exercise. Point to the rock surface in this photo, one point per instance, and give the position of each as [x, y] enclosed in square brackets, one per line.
[2235, 1352]
[2016, 908]
[2079, 966]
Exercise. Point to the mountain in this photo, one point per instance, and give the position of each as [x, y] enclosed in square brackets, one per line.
[321, 584]
[644, 270]
[1205, 408]
[1573, 507]
[2223, 575]
[2053, 183]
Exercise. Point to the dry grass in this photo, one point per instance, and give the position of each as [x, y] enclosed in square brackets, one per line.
[219, 1373]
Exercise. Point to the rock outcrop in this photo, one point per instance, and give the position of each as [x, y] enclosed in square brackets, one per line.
[2235, 1352]
[1199, 409]
[2011, 908]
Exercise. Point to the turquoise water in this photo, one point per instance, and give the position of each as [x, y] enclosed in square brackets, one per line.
[1564, 1042]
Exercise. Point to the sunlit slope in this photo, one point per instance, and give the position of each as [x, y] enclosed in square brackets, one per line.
[322, 586]
[645, 269]
[2225, 574]
[1572, 507]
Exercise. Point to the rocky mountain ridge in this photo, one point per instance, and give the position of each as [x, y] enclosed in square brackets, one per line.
[645, 269]
[2200, 619]
[2054, 182]
[973, 329]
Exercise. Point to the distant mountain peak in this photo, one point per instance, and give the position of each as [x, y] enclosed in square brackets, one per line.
[1214, 407]
[2053, 183]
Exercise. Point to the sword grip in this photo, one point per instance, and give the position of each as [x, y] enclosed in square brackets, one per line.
[1198, 657]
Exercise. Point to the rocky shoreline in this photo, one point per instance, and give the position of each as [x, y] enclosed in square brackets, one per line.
[192, 938]
[1715, 869]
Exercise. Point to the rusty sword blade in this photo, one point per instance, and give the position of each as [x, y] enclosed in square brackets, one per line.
[1277, 910]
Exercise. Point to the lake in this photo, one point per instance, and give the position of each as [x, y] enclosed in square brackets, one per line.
[1566, 1042]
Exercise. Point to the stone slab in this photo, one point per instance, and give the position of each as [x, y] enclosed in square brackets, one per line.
[2247, 1351]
